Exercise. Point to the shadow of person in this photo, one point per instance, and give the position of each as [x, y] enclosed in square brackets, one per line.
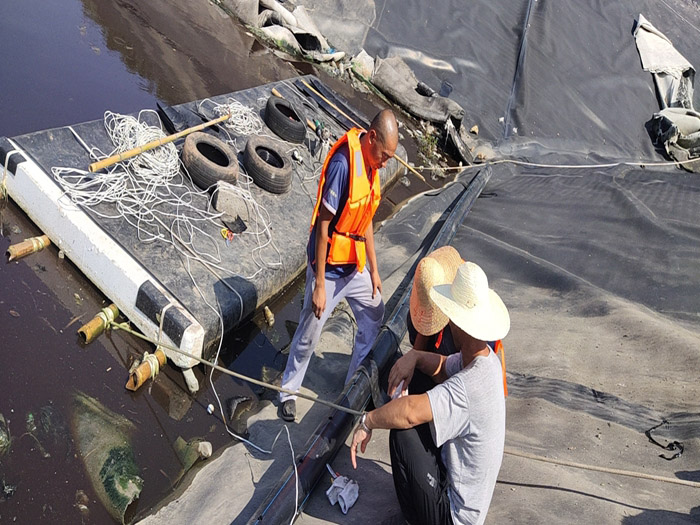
[688, 475]
[263, 432]
[667, 517]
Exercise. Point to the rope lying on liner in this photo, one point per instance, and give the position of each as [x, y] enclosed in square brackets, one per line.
[143, 189]
[508, 450]
[636, 164]
[243, 120]
[126, 328]
[641, 475]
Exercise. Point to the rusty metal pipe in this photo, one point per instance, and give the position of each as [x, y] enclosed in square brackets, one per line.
[149, 367]
[27, 247]
[94, 328]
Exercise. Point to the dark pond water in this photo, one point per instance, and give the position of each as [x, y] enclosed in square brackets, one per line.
[65, 62]
[44, 300]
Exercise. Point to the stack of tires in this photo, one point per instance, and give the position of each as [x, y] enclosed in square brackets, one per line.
[209, 159]
[264, 158]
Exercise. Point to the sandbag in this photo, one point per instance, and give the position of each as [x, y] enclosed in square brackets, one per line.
[102, 439]
[678, 130]
[398, 82]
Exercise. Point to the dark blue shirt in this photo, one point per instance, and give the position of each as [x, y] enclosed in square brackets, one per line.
[334, 198]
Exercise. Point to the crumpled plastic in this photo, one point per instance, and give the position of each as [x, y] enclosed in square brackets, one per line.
[343, 491]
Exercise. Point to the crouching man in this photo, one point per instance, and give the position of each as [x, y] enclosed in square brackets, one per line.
[447, 444]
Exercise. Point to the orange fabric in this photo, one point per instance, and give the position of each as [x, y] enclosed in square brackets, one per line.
[498, 348]
[356, 216]
[439, 339]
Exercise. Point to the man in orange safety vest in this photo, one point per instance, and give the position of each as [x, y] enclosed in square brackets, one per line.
[342, 263]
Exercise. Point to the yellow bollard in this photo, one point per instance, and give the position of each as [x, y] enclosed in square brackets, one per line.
[27, 247]
[149, 368]
[91, 330]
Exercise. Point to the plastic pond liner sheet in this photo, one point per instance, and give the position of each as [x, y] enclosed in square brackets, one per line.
[565, 76]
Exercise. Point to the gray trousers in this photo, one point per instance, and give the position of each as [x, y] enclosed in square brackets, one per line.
[356, 288]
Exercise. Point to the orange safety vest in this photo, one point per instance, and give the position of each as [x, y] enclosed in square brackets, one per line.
[347, 241]
[497, 349]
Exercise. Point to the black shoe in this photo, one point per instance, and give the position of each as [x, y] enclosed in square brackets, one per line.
[289, 410]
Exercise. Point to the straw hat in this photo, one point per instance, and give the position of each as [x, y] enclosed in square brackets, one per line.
[439, 267]
[471, 305]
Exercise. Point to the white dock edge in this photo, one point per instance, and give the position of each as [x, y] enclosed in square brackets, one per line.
[109, 266]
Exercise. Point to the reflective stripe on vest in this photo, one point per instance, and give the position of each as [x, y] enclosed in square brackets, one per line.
[347, 241]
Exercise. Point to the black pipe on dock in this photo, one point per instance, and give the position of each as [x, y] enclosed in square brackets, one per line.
[280, 506]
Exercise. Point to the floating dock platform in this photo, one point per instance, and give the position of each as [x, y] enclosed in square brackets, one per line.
[145, 277]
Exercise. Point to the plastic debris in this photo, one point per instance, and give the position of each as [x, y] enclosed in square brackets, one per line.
[102, 439]
[81, 503]
[344, 491]
[7, 489]
[474, 130]
[205, 449]
[49, 430]
[189, 452]
[5, 436]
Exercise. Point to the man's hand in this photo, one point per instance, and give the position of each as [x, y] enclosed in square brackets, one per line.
[360, 437]
[318, 298]
[402, 371]
[376, 282]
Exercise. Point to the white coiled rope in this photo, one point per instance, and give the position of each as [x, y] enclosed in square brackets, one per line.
[243, 120]
[152, 194]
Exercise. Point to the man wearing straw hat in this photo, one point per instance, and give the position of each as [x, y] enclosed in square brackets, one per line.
[447, 443]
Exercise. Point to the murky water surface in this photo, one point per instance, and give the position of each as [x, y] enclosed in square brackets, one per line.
[65, 62]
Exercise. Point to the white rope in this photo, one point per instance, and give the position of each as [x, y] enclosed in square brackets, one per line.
[152, 360]
[637, 164]
[152, 194]
[243, 120]
[160, 323]
[221, 409]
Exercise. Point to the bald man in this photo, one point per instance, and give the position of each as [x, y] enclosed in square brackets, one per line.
[342, 263]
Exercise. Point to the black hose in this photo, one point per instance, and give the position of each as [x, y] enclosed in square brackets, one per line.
[330, 435]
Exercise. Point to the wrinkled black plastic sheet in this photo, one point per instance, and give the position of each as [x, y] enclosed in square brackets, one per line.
[559, 76]
[631, 233]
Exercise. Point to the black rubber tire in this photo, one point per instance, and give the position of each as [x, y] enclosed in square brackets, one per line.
[209, 160]
[285, 120]
[265, 161]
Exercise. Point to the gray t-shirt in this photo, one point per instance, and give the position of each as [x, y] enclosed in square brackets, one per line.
[469, 423]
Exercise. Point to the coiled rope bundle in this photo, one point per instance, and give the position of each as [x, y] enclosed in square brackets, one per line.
[152, 194]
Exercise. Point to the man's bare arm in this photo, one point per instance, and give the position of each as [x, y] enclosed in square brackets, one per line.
[318, 299]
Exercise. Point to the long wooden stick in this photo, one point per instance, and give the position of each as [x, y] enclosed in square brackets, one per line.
[104, 163]
[331, 104]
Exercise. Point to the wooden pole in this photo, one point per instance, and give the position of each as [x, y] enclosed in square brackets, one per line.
[104, 163]
[331, 104]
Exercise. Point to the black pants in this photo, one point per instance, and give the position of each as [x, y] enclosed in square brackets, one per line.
[420, 479]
